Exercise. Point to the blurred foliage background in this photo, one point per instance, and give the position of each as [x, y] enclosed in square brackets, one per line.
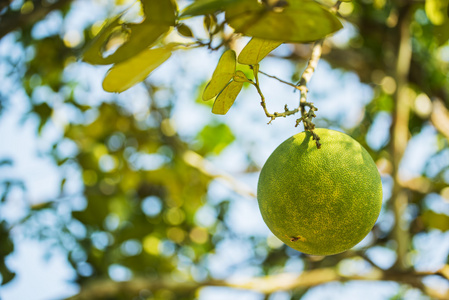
[150, 196]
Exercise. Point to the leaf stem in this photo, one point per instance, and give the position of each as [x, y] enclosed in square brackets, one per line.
[336, 6]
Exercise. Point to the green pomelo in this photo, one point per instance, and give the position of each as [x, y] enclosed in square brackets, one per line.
[320, 201]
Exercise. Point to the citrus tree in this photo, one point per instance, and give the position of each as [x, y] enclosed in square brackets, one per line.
[150, 182]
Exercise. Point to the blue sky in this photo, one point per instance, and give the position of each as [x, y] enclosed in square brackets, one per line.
[339, 96]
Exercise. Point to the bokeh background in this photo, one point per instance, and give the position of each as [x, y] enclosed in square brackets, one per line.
[148, 195]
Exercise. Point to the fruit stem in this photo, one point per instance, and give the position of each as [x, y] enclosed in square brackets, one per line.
[307, 117]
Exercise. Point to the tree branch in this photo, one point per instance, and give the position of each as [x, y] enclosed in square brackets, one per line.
[106, 288]
[440, 117]
[312, 64]
[307, 117]
[400, 135]
[206, 167]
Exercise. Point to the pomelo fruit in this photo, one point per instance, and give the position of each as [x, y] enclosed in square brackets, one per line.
[320, 201]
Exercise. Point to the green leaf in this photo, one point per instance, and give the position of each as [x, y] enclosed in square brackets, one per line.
[184, 30]
[206, 7]
[44, 112]
[140, 36]
[214, 139]
[93, 52]
[162, 12]
[226, 98]
[7, 274]
[436, 11]
[240, 77]
[95, 212]
[6, 244]
[299, 21]
[159, 16]
[223, 73]
[435, 220]
[6, 248]
[256, 50]
[6, 162]
[441, 33]
[124, 75]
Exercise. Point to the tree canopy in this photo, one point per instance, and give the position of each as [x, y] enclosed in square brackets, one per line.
[149, 191]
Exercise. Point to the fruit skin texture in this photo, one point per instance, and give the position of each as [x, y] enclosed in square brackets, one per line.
[320, 201]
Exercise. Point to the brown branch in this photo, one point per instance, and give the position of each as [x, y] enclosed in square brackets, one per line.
[444, 271]
[206, 167]
[440, 117]
[105, 288]
[421, 185]
[400, 135]
[312, 64]
[307, 74]
[15, 20]
[307, 117]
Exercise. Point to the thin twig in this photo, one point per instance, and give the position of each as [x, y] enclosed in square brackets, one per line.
[278, 79]
[255, 69]
[274, 115]
[306, 117]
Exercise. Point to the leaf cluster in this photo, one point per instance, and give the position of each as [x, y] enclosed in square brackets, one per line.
[143, 44]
